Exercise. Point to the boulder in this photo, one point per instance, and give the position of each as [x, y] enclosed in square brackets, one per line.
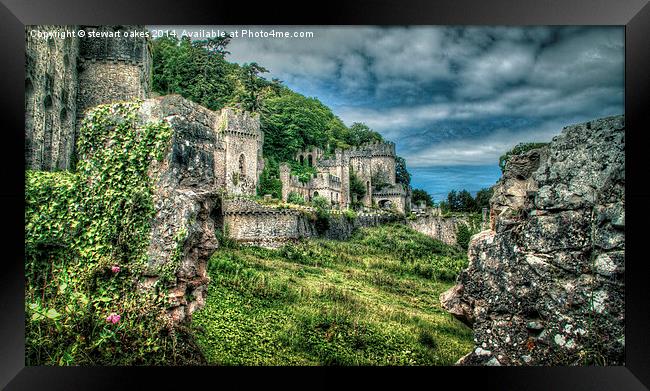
[545, 285]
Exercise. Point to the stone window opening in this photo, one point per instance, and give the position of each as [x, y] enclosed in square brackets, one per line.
[368, 188]
[242, 165]
[302, 160]
[310, 160]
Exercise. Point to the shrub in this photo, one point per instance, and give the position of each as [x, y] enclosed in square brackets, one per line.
[518, 150]
[295, 198]
[320, 202]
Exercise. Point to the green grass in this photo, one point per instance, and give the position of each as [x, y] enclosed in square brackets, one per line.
[371, 300]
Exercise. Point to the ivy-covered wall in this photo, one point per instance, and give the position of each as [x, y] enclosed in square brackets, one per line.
[87, 234]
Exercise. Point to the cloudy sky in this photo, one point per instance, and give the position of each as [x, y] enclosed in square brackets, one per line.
[453, 99]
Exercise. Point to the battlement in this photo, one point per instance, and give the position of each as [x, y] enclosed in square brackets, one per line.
[237, 122]
[376, 148]
[395, 190]
[100, 45]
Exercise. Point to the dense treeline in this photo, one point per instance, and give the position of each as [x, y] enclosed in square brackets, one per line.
[462, 201]
[291, 122]
[457, 201]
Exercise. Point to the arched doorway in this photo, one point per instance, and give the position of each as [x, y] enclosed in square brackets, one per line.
[385, 204]
[310, 161]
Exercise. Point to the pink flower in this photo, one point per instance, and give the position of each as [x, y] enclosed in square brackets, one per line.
[113, 318]
[115, 269]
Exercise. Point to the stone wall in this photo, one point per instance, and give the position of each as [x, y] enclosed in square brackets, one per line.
[545, 286]
[50, 97]
[438, 227]
[250, 223]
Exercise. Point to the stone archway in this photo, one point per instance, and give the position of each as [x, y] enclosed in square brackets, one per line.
[385, 204]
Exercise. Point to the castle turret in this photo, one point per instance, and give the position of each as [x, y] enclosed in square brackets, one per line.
[114, 65]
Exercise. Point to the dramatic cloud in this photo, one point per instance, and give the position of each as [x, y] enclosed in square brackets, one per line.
[451, 96]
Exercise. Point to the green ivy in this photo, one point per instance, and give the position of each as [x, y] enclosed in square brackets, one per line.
[80, 227]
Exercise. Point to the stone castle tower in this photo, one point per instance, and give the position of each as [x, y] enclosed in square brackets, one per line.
[238, 157]
[66, 74]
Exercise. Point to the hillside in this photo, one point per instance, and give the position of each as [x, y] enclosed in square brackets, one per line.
[372, 300]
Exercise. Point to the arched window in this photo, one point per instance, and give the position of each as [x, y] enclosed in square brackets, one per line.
[368, 187]
[242, 165]
[302, 160]
[310, 161]
[315, 194]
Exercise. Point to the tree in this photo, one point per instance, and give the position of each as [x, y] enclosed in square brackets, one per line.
[360, 133]
[197, 70]
[356, 186]
[483, 198]
[401, 173]
[466, 202]
[251, 84]
[269, 182]
[419, 195]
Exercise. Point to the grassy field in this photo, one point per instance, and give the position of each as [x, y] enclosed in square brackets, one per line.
[371, 300]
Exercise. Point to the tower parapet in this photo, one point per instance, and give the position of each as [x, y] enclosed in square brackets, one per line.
[112, 69]
[236, 122]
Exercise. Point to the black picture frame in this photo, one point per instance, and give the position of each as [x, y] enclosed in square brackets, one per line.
[16, 14]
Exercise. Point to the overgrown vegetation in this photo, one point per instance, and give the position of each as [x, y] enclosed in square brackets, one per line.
[86, 234]
[518, 150]
[372, 300]
[419, 195]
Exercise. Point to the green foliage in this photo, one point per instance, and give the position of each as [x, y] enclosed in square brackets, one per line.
[304, 172]
[360, 133]
[419, 195]
[196, 70]
[269, 182]
[320, 202]
[79, 226]
[462, 201]
[463, 235]
[322, 222]
[401, 173]
[295, 198]
[483, 198]
[292, 122]
[518, 150]
[350, 214]
[357, 187]
[325, 302]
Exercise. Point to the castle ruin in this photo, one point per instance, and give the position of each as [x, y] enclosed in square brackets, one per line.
[373, 164]
[67, 74]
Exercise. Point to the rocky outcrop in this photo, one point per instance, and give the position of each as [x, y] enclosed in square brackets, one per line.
[545, 285]
[186, 201]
